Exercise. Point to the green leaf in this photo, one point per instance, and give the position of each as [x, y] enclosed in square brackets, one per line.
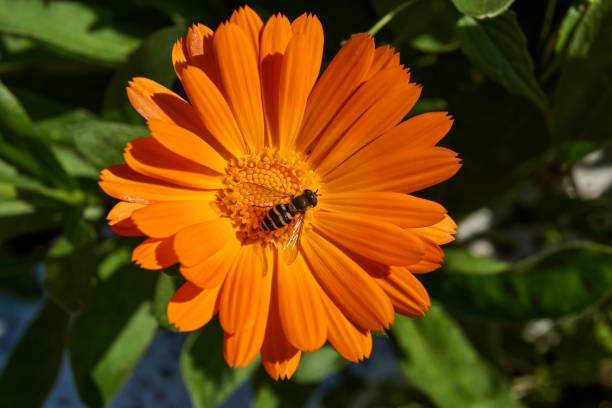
[57, 128]
[317, 365]
[461, 261]
[111, 334]
[583, 95]
[552, 284]
[42, 219]
[70, 28]
[151, 60]
[70, 264]
[102, 143]
[12, 114]
[73, 163]
[482, 8]
[568, 26]
[34, 363]
[208, 378]
[428, 26]
[25, 146]
[439, 361]
[166, 286]
[498, 47]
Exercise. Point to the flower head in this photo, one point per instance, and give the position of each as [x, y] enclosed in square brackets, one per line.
[213, 189]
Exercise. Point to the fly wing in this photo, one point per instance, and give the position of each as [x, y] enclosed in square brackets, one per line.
[291, 248]
[262, 196]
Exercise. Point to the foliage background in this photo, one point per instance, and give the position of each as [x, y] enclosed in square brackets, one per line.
[522, 312]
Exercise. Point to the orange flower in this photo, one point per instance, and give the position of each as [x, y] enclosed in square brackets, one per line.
[260, 128]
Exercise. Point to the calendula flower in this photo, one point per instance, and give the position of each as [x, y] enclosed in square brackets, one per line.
[260, 128]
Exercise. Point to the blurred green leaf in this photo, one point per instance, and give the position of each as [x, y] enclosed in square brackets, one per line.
[498, 47]
[439, 361]
[34, 363]
[583, 95]
[552, 284]
[164, 290]
[42, 219]
[151, 60]
[73, 29]
[482, 8]
[568, 26]
[461, 261]
[317, 365]
[102, 143]
[111, 334]
[70, 264]
[428, 26]
[12, 114]
[73, 163]
[207, 376]
[57, 128]
[23, 146]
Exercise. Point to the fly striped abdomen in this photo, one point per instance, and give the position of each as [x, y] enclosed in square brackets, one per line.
[278, 217]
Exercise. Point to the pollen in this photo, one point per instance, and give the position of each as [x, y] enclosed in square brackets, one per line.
[257, 182]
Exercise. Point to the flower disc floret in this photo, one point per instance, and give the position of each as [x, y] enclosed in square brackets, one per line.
[287, 174]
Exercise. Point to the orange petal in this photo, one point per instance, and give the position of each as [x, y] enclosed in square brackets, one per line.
[384, 57]
[187, 144]
[154, 101]
[440, 233]
[243, 288]
[350, 342]
[377, 106]
[238, 66]
[310, 26]
[341, 77]
[347, 284]
[125, 184]
[274, 39]
[179, 56]
[161, 220]
[380, 117]
[406, 292]
[191, 307]
[374, 239]
[299, 69]
[403, 171]
[300, 306]
[400, 209]
[198, 242]
[155, 253]
[122, 211]
[280, 359]
[432, 258]
[239, 349]
[212, 271]
[126, 230]
[250, 23]
[213, 110]
[200, 51]
[414, 134]
[149, 157]
[119, 219]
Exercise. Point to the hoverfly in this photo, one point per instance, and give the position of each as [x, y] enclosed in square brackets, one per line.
[285, 209]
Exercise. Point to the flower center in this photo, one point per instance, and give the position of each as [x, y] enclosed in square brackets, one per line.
[257, 182]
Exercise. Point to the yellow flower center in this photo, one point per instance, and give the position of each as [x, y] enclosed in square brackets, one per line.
[257, 182]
